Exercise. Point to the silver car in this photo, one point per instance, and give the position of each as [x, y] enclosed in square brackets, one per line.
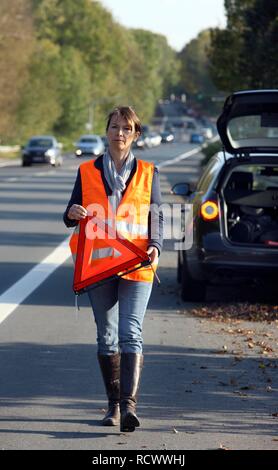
[89, 145]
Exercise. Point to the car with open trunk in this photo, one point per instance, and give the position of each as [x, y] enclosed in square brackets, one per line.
[235, 202]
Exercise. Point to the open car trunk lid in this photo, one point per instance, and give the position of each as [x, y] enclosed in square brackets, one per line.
[249, 122]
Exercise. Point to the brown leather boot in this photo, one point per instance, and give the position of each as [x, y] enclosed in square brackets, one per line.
[110, 368]
[131, 367]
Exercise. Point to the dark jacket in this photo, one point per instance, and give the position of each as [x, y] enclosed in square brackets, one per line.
[155, 216]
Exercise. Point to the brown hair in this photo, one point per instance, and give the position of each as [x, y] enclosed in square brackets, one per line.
[128, 114]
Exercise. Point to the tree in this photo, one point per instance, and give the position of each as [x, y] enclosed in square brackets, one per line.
[60, 58]
[195, 75]
[16, 46]
[244, 55]
[39, 107]
[74, 91]
[159, 68]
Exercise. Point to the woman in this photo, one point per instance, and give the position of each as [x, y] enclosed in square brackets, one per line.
[119, 306]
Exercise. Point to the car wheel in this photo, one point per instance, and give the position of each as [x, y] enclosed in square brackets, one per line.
[191, 290]
[26, 164]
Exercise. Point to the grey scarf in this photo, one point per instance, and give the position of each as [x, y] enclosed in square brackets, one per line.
[117, 181]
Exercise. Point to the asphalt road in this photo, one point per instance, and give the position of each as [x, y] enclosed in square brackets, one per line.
[202, 387]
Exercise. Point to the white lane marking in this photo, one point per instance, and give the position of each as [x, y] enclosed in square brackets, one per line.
[187, 154]
[10, 180]
[25, 179]
[17, 293]
[177, 159]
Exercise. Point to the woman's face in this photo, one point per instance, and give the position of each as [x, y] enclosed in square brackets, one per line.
[121, 134]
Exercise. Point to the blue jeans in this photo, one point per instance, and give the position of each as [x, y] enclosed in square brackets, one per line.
[119, 308]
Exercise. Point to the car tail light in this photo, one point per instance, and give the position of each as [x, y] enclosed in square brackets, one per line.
[209, 210]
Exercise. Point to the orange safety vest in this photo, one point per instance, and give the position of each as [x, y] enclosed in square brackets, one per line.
[131, 219]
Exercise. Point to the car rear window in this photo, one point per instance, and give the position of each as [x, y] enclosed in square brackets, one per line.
[252, 131]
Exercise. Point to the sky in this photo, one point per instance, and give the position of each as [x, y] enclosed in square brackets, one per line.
[178, 20]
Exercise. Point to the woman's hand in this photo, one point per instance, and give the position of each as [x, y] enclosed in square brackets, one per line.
[153, 253]
[77, 212]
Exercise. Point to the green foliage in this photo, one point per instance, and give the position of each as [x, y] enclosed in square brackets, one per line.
[244, 55]
[40, 107]
[211, 150]
[16, 47]
[195, 77]
[77, 62]
[74, 89]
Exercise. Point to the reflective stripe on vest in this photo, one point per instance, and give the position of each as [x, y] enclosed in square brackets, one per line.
[135, 228]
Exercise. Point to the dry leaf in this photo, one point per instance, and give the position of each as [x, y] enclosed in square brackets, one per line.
[238, 311]
[223, 447]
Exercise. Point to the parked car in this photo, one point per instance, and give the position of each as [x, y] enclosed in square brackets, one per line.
[42, 149]
[89, 145]
[235, 203]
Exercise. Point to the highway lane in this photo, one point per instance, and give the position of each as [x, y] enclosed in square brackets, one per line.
[32, 201]
[51, 391]
[44, 333]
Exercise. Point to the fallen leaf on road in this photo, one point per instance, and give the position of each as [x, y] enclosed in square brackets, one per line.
[238, 311]
[223, 447]
[224, 350]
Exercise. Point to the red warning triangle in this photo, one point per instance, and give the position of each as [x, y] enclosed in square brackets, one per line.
[90, 272]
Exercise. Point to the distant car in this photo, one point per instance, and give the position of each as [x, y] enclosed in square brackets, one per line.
[190, 125]
[89, 145]
[167, 137]
[235, 203]
[207, 132]
[152, 139]
[197, 138]
[139, 143]
[42, 149]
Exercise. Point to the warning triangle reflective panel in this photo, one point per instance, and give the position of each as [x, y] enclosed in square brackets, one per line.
[103, 255]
